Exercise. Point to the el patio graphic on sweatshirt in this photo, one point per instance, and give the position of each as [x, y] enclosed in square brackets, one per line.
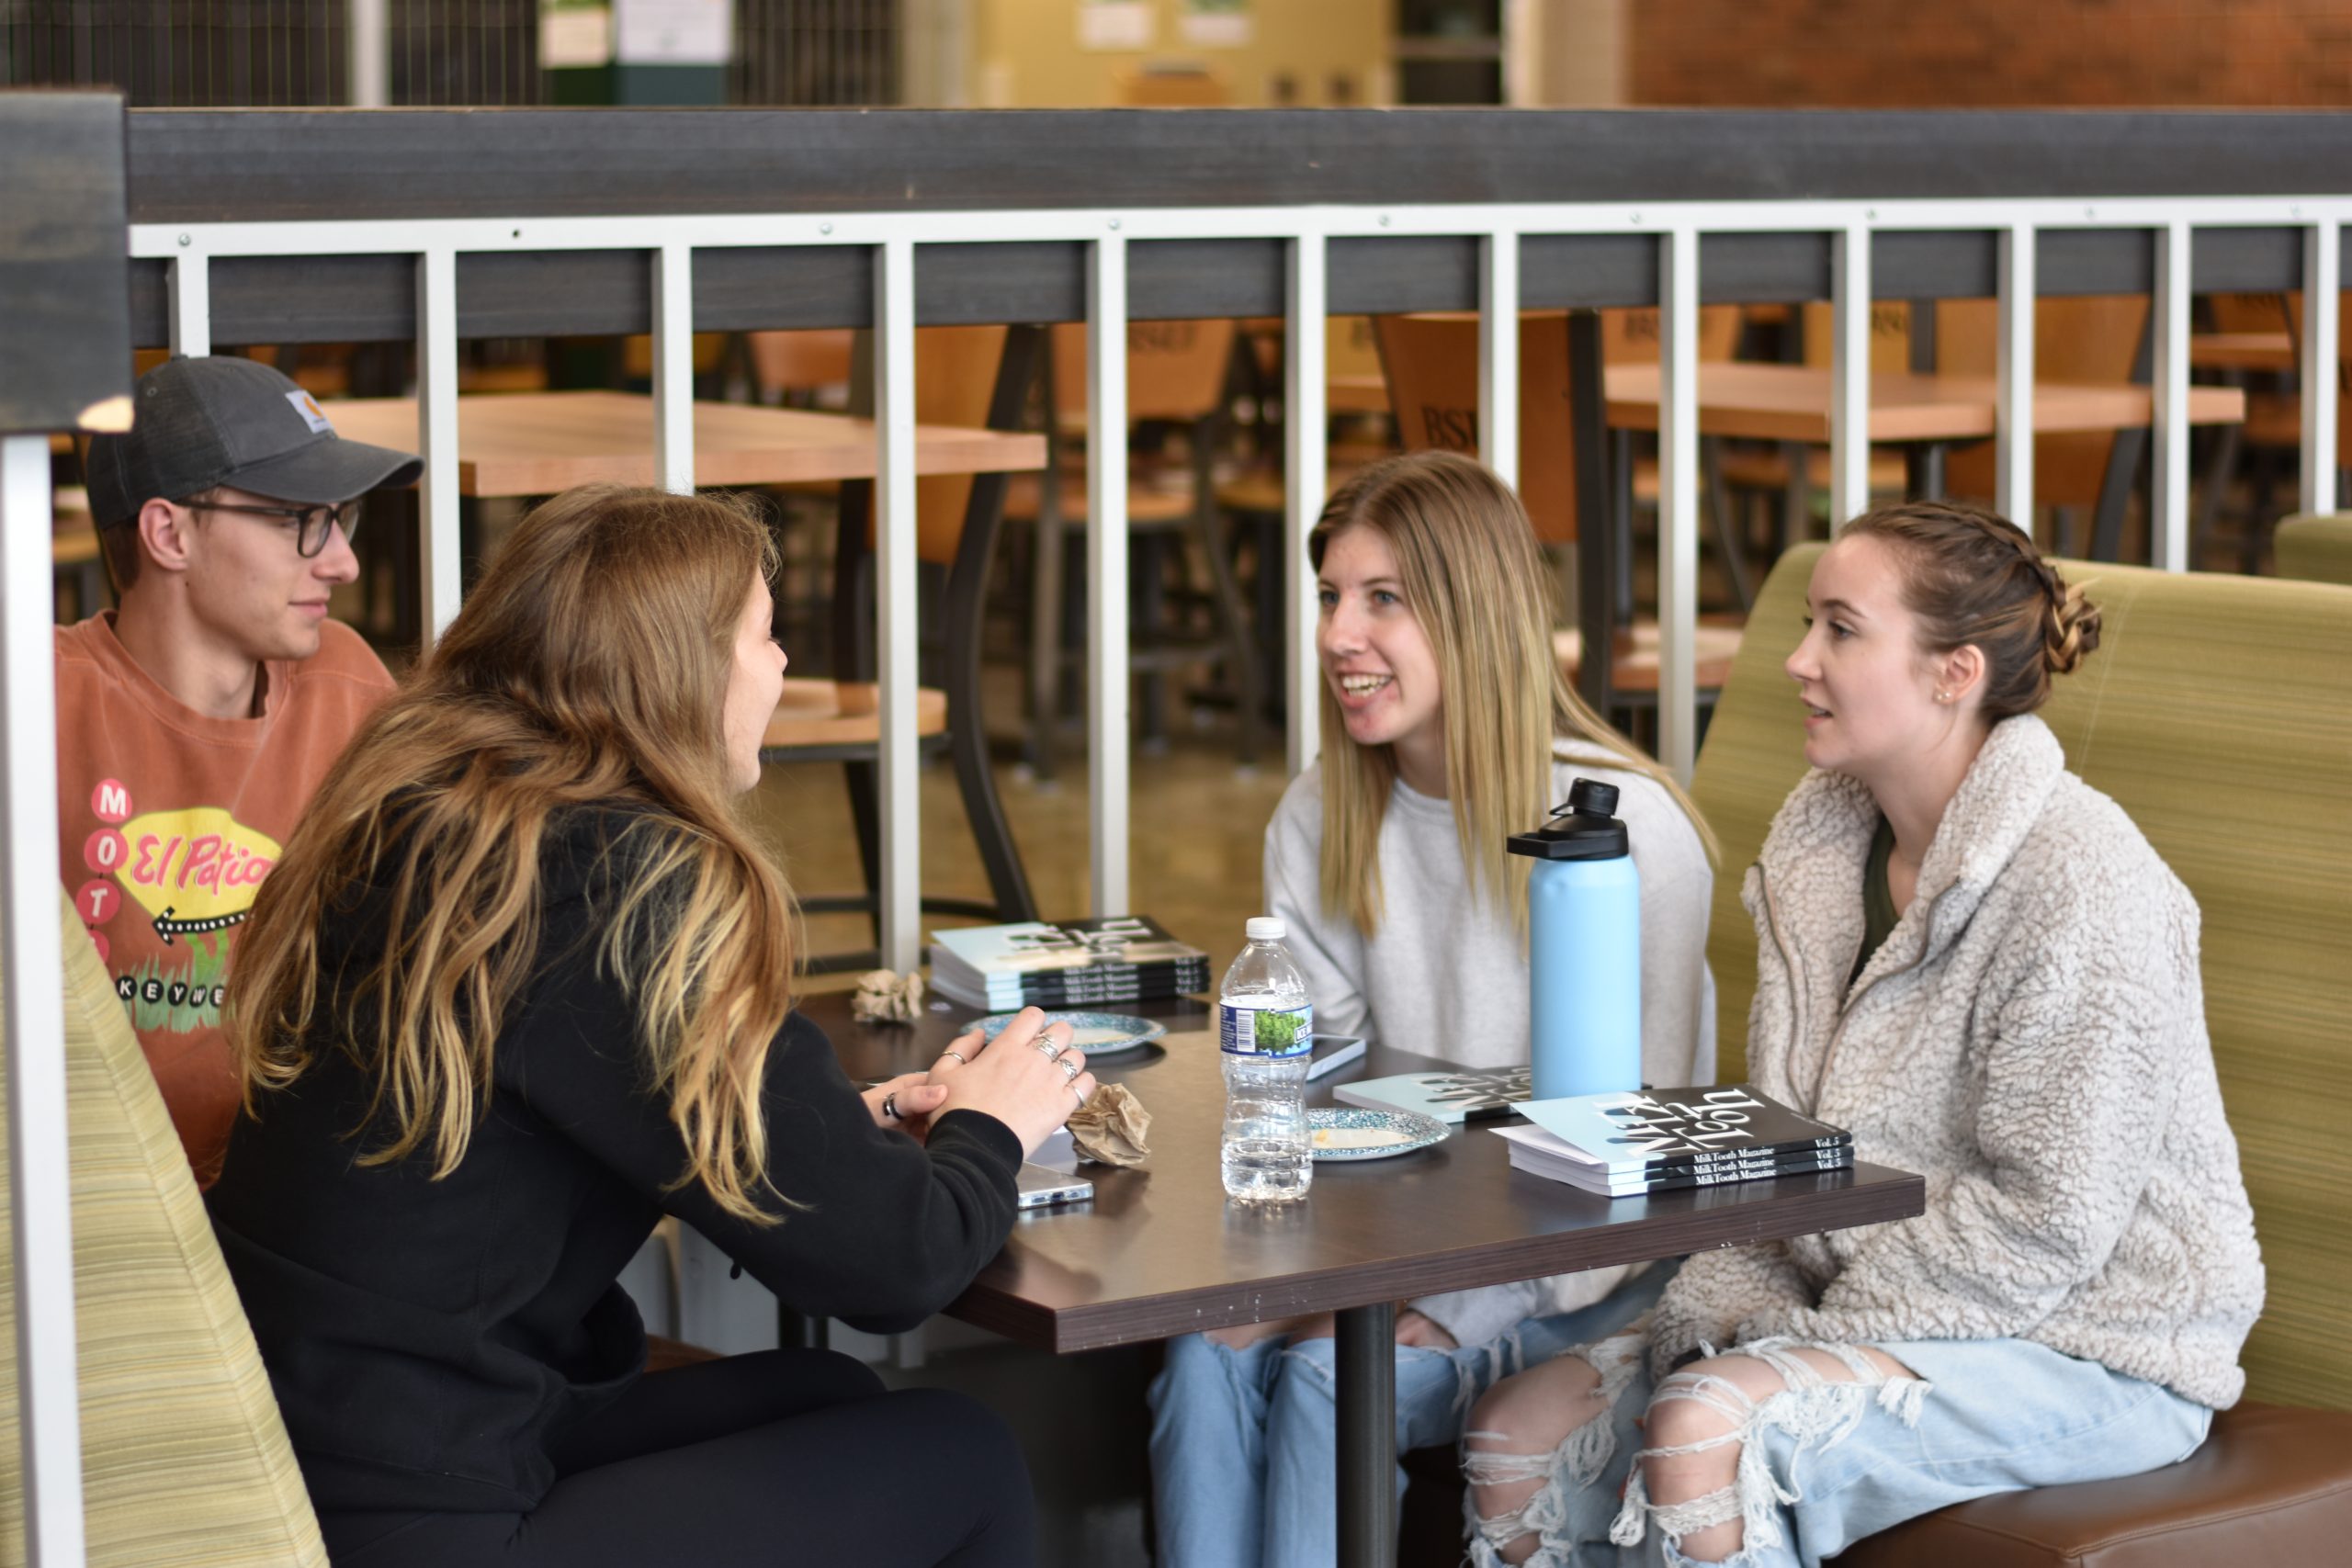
[193, 870]
[191, 873]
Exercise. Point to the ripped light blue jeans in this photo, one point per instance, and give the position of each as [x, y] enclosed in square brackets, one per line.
[1824, 1463]
[1244, 1443]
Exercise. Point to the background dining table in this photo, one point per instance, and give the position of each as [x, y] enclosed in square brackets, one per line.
[1924, 414]
[512, 443]
[1161, 1251]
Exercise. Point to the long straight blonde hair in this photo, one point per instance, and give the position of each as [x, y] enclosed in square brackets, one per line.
[1476, 581]
[587, 670]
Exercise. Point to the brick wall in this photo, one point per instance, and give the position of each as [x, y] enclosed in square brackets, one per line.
[1990, 54]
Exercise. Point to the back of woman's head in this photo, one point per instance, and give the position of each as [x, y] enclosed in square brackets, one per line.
[1474, 578]
[1974, 578]
[604, 624]
[586, 671]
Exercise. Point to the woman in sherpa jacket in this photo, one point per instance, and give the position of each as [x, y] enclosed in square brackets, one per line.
[1975, 960]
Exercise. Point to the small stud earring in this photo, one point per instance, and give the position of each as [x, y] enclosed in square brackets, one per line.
[1943, 696]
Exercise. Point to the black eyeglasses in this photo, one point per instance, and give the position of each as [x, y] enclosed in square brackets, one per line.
[310, 523]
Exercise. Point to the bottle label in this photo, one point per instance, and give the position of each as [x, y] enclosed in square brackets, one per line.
[1264, 1031]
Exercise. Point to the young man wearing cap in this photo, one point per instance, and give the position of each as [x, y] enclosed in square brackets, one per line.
[196, 721]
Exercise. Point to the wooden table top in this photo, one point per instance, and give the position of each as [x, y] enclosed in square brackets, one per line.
[1633, 664]
[2242, 351]
[1791, 402]
[1160, 1252]
[539, 443]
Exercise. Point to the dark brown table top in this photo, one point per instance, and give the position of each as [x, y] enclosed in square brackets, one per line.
[1160, 1251]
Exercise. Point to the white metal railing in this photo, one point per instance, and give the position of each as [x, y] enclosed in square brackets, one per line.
[33, 960]
[27, 807]
[895, 236]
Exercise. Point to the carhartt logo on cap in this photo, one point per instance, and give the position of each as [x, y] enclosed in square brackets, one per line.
[307, 406]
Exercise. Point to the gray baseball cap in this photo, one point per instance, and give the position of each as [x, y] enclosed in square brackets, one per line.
[227, 420]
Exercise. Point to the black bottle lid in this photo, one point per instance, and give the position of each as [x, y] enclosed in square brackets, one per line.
[1585, 828]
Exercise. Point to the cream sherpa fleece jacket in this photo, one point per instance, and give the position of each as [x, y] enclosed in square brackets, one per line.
[2031, 1039]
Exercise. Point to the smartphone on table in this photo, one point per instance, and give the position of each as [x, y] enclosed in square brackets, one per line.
[1041, 1187]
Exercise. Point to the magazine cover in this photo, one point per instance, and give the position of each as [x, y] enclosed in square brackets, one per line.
[1465, 1094]
[1677, 1126]
[1538, 1153]
[1035, 947]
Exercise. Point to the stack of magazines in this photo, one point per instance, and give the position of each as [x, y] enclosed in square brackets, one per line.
[1072, 964]
[1663, 1139]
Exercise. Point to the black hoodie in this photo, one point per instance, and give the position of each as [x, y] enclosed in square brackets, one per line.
[425, 1338]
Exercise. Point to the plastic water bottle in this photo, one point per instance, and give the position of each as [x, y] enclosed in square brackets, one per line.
[1584, 948]
[1264, 1023]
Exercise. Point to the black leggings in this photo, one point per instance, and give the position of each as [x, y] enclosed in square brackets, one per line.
[764, 1461]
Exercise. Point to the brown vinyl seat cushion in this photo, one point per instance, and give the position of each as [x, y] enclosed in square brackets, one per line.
[2271, 1484]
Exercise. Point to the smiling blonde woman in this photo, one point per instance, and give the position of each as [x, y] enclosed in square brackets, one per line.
[1447, 726]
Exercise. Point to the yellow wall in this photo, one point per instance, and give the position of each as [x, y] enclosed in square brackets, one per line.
[1025, 54]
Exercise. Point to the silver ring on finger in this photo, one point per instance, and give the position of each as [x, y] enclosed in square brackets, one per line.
[1047, 1046]
[1071, 1066]
[961, 1060]
[1082, 1098]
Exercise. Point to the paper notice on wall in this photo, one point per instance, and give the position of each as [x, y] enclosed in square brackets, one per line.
[1116, 24]
[1216, 24]
[574, 34]
[673, 32]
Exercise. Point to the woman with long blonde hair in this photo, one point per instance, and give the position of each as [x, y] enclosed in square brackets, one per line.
[1447, 726]
[520, 984]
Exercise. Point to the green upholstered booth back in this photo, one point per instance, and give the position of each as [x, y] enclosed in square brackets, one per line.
[184, 1462]
[2217, 712]
[2316, 549]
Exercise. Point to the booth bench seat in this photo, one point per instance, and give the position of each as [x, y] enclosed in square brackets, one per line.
[185, 1463]
[2217, 712]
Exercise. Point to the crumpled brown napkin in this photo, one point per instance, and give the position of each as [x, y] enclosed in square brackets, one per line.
[883, 997]
[1109, 1127]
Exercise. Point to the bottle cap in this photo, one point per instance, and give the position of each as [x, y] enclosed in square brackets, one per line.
[1585, 828]
[1265, 928]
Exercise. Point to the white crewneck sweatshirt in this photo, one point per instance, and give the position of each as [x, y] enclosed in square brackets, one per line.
[1446, 973]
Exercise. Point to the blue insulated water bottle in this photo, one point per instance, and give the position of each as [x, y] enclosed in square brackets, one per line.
[1584, 948]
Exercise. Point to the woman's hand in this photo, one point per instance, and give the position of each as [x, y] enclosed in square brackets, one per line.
[1415, 1328]
[904, 1102]
[1029, 1077]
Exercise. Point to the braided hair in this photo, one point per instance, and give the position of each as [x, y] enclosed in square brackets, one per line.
[1974, 577]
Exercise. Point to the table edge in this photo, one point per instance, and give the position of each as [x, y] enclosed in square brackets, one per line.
[1886, 1194]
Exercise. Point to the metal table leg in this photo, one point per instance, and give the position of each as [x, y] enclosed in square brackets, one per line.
[1366, 1356]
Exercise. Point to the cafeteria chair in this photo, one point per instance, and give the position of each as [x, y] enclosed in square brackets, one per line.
[74, 555]
[1794, 473]
[2267, 445]
[2341, 370]
[805, 369]
[964, 376]
[2094, 340]
[2191, 667]
[1431, 362]
[2316, 549]
[802, 369]
[1177, 376]
[1256, 500]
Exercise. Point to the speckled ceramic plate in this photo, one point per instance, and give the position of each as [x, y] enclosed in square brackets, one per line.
[1095, 1034]
[1358, 1132]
